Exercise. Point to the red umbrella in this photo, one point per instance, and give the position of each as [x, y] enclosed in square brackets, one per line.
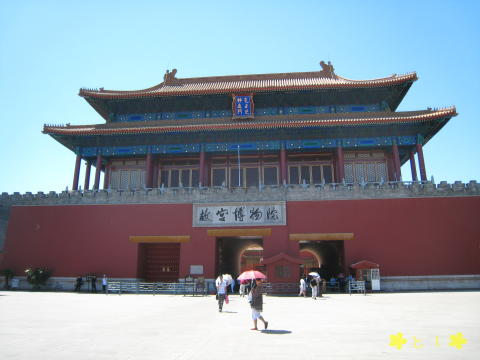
[251, 274]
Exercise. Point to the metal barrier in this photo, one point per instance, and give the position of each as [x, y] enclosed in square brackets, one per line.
[281, 288]
[138, 287]
[358, 286]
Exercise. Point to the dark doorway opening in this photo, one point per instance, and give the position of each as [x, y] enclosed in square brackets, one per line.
[159, 262]
[237, 254]
[324, 257]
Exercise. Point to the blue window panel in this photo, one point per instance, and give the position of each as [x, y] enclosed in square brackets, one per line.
[248, 146]
[172, 149]
[90, 151]
[358, 108]
[220, 113]
[168, 115]
[406, 140]
[311, 144]
[158, 149]
[135, 118]
[306, 110]
[322, 109]
[367, 142]
[183, 115]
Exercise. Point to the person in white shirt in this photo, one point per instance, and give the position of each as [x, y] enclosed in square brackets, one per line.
[221, 291]
[104, 283]
[303, 288]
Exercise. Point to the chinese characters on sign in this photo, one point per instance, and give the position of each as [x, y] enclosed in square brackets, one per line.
[271, 213]
[242, 106]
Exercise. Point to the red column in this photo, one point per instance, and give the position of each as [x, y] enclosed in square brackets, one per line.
[148, 171]
[98, 170]
[413, 166]
[283, 166]
[76, 173]
[202, 168]
[155, 173]
[341, 164]
[106, 179]
[390, 166]
[208, 171]
[396, 161]
[421, 163]
[87, 175]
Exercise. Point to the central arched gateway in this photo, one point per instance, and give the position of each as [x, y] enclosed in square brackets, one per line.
[239, 253]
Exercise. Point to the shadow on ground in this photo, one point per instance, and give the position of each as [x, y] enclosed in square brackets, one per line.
[276, 332]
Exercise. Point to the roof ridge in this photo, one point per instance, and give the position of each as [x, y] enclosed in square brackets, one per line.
[172, 85]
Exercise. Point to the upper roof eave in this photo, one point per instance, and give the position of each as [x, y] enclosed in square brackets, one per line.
[246, 84]
[346, 119]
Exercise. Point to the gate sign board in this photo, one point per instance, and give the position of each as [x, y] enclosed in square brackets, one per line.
[239, 214]
[242, 107]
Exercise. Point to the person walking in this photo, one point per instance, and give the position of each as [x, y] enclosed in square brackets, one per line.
[78, 284]
[314, 286]
[242, 288]
[93, 279]
[104, 283]
[256, 303]
[303, 288]
[221, 291]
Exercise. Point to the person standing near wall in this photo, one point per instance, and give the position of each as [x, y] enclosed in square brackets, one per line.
[104, 283]
[94, 283]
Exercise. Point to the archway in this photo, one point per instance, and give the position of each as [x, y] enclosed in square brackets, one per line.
[328, 254]
[311, 260]
[235, 252]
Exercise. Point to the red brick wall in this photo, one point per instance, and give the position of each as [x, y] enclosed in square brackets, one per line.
[418, 236]
[425, 236]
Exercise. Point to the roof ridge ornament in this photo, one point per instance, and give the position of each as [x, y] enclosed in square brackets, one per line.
[327, 70]
[169, 77]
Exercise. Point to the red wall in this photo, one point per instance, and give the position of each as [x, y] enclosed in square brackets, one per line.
[417, 236]
[425, 236]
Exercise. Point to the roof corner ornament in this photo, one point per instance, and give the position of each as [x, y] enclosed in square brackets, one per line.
[327, 70]
[169, 77]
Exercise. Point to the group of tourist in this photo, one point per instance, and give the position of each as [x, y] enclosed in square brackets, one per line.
[318, 285]
[315, 283]
[252, 289]
[93, 281]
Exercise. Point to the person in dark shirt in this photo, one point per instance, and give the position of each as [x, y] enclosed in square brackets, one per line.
[94, 283]
[256, 303]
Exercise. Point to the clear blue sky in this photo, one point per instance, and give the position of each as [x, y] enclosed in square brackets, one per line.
[49, 49]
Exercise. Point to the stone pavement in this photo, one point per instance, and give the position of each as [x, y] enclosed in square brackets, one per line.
[36, 325]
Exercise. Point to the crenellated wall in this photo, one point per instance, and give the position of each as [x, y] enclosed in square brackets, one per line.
[387, 190]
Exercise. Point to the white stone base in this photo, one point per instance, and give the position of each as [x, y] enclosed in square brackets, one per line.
[432, 282]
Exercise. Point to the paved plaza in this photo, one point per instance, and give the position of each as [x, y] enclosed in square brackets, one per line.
[47, 325]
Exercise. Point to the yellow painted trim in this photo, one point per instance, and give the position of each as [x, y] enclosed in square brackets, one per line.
[160, 239]
[321, 236]
[240, 232]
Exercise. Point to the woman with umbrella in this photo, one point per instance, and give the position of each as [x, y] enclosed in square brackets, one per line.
[255, 296]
